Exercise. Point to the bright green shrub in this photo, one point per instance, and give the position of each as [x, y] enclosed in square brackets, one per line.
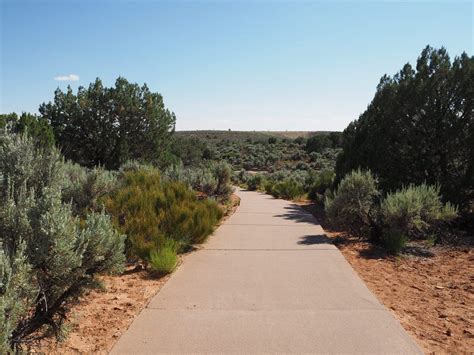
[414, 210]
[163, 261]
[354, 203]
[185, 219]
[46, 251]
[287, 189]
[134, 210]
[151, 211]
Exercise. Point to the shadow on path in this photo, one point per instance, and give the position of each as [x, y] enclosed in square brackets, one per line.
[315, 239]
[296, 213]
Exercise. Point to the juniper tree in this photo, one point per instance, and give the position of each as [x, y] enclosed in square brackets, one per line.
[109, 126]
[419, 128]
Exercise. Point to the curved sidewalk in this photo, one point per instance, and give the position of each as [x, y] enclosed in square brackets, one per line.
[267, 281]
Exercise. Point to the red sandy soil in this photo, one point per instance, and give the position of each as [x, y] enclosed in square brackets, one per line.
[100, 317]
[432, 296]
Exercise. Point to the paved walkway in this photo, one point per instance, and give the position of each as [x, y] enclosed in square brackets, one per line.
[267, 281]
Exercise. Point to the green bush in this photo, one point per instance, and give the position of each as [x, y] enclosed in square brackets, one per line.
[287, 189]
[48, 256]
[163, 261]
[222, 171]
[151, 211]
[319, 183]
[415, 210]
[254, 182]
[268, 186]
[394, 240]
[353, 205]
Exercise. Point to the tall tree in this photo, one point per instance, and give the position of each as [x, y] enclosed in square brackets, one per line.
[108, 126]
[419, 128]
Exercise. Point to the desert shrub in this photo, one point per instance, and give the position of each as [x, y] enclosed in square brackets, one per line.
[254, 182]
[222, 171]
[134, 165]
[85, 187]
[287, 189]
[268, 186]
[151, 210]
[47, 255]
[394, 240]
[212, 179]
[185, 219]
[133, 207]
[415, 210]
[17, 296]
[198, 178]
[23, 166]
[354, 203]
[319, 182]
[164, 261]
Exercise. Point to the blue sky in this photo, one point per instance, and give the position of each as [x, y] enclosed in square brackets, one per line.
[243, 65]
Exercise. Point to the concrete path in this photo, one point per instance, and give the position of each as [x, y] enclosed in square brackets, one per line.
[267, 281]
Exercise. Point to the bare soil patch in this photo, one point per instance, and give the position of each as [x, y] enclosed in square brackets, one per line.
[430, 291]
[100, 317]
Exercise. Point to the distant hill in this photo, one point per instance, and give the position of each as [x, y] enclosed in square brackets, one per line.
[245, 135]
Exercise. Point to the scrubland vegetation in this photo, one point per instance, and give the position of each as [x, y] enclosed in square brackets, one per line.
[100, 178]
[67, 216]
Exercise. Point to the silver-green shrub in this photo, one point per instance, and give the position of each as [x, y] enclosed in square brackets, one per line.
[85, 187]
[213, 179]
[353, 205]
[414, 210]
[48, 255]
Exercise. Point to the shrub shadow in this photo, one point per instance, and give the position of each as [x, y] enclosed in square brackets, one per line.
[315, 239]
[296, 213]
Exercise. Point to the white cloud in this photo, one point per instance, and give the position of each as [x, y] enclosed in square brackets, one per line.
[70, 77]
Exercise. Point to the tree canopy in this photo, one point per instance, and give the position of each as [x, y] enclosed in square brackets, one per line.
[108, 126]
[419, 128]
[36, 127]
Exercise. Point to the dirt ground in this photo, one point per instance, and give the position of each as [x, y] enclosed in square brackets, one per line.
[432, 293]
[100, 317]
